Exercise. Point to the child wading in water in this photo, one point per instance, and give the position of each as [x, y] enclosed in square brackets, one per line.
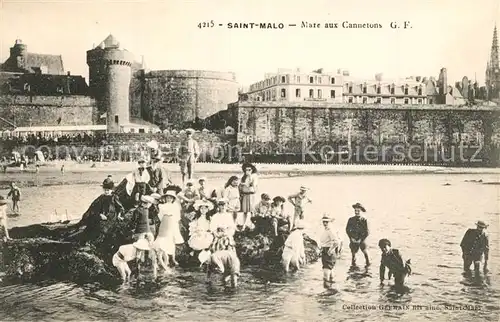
[299, 201]
[392, 259]
[357, 230]
[331, 246]
[127, 253]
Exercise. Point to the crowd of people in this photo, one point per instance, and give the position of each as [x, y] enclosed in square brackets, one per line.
[206, 219]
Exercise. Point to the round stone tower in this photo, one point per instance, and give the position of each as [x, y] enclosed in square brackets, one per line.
[18, 53]
[109, 81]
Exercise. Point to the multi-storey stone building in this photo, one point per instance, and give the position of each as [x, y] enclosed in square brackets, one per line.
[296, 86]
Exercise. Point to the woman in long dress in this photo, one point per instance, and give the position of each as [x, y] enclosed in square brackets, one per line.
[248, 188]
[169, 233]
[200, 235]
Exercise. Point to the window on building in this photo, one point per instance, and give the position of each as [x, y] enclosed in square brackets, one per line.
[379, 100]
[364, 89]
[379, 90]
[142, 131]
[283, 79]
[393, 100]
[319, 80]
[320, 94]
[283, 93]
[419, 91]
[116, 119]
[283, 112]
[430, 101]
[275, 79]
[350, 100]
[407, 101]
[297, 92]
[393, 90]
[406, 91]
[333, 80]
[419, 101]
[350, 89]
[365, 100]
[332, 94]
[311, 93]
[311, 80]
[298, 79]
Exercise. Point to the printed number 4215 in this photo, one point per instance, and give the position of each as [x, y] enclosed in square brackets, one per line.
[209, 24]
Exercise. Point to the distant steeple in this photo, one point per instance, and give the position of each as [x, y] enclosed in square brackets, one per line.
[494, 50]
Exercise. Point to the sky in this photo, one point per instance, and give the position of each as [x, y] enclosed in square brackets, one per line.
[455, 34]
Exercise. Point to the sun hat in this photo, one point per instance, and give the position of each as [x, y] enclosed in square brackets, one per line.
[189, 131]
[141, 244]
[248, 165]
[108, 183]
[204, 256]
[202, 203]
[170, 193]
[327, 217]
[202, 179]
[304, 188]
[221, 201]
[279, 198]
[481, 224]
[190, 182]
[141, 160]
[359, 206]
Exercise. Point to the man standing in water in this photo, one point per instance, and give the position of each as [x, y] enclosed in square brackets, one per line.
[189, 152]
[15, 194]
[357, 230]
[474, 244]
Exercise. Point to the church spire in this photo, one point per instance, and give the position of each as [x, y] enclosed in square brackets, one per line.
[494, 50]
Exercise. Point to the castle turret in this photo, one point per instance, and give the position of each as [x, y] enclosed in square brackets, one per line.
[18, 53]
[109, 81]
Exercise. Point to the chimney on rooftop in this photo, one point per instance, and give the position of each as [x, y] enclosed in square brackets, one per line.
[69, 73]
[418, 78]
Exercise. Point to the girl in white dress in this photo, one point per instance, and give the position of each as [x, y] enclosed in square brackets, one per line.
[169, 233]
[200, 235]
[231, 194]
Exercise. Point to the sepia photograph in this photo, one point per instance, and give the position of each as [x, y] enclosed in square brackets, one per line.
[253, 160]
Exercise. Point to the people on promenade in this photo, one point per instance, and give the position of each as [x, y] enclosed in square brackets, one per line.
[357, 231]
[331, 247]
[393, 260]
[299, 202]
[475, 244]
[248, 188]
[189, 153]
[4, 229]
[15, 195]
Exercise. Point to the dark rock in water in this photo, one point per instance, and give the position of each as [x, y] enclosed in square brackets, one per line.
[56, 250]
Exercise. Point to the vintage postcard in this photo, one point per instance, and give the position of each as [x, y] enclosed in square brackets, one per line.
[249, 160]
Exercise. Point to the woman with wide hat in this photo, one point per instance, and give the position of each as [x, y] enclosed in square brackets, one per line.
[105, 207]
[248, 189]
